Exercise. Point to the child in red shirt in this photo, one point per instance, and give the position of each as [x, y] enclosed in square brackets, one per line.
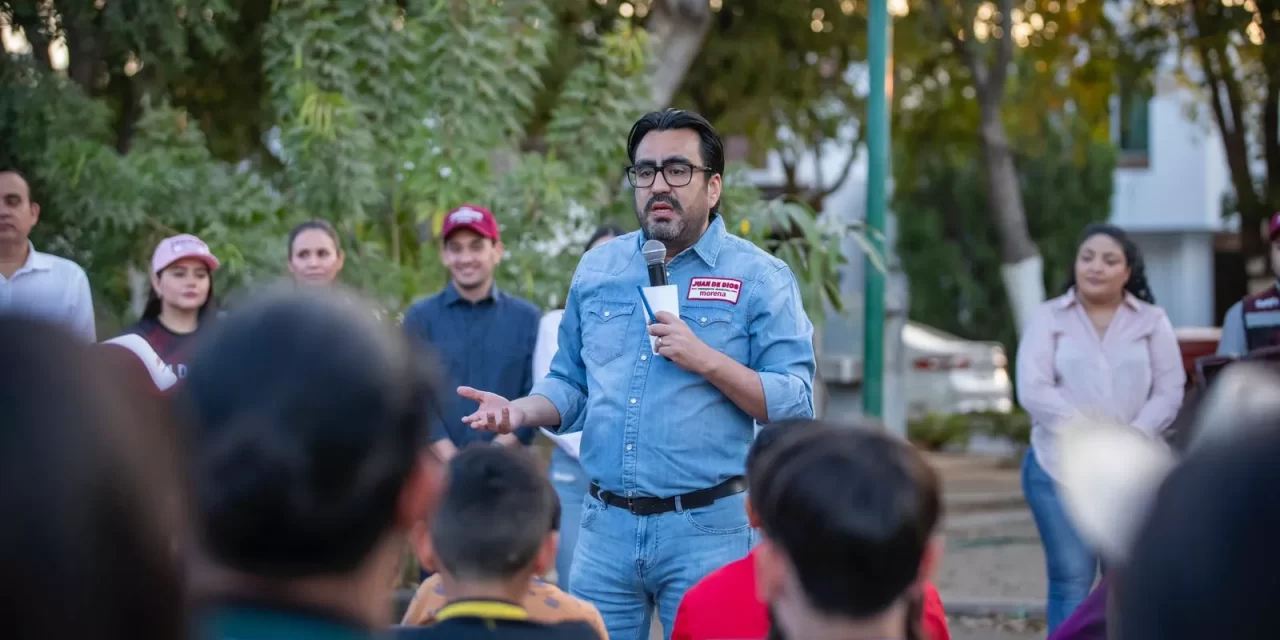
[724, 604]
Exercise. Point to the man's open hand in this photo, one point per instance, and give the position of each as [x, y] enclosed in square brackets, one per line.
[677, 343]
[495, 413]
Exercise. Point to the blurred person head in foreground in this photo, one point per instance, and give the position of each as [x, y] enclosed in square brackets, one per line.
[848, 515]
[85, 548]
[1189, 538]
[492, 538]
[309, 463]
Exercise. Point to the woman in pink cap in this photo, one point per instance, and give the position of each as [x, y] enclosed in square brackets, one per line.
[180, 304]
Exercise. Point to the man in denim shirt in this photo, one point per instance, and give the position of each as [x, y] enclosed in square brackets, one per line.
[665, 437]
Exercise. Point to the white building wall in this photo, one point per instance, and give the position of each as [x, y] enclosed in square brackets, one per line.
[1173, 206]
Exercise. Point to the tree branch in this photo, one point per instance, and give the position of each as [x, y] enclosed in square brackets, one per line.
[1004, 49]
[1215, 65]
[847, 168]
[678, 28]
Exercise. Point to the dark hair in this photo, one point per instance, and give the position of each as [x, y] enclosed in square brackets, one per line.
[603, 231]
[1137, 283]
[85, 546]
[155, 305]
[854, 510]
[1205, 563]
[496, 499]
[319, 225]
[308, 417]
[712, 148]
[31, 196]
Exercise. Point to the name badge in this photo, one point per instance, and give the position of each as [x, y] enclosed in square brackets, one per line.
[718, 289]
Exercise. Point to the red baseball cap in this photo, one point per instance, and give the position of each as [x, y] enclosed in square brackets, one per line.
[1275, 226]
[477, 219]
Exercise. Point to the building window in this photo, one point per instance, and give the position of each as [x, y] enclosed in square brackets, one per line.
[1134, 125]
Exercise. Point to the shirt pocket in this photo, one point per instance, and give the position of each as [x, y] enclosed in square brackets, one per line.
[604, 329]
[712, 324]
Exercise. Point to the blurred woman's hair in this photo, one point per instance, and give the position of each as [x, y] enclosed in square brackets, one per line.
[603, 231]
[854, 509]
[307, 418]
[86, 547]
[1137, 284]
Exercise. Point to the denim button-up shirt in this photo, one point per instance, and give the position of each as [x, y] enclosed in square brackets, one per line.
[651, 428]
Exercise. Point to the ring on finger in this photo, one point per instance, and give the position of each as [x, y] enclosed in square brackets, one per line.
[658, 342]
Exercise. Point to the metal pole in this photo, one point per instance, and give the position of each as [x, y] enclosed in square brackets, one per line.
[877, 176]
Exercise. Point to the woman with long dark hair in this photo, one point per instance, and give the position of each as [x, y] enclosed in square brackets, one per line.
[848, 516]
[315, 253]
[1101, 349]
[181, 302]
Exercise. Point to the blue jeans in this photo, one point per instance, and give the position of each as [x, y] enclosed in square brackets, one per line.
[625, 564]
[1070, 563]
[571, 484]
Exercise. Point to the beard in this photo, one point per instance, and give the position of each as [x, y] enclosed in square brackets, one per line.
[682, 230]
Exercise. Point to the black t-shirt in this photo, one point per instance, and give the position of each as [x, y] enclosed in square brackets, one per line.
[174, 348]
[490, 629]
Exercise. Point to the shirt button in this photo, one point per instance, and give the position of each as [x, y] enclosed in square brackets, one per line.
[643, 358]
[628, 447]
[606, 314]
[633, 401]
[702, 320]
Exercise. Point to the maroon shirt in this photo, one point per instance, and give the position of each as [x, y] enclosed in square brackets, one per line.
[175, 349]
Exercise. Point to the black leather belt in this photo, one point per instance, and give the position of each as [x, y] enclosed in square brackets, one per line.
[655, 506]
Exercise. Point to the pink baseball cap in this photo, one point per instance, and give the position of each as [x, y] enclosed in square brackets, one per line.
[171, 250]
[477, 219]
[1275, 226]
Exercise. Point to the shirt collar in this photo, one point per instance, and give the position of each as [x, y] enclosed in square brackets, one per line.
[1069, 298]
[36, 261]
[262, 621]
[708, 246]
[452, 297]
[487, 609]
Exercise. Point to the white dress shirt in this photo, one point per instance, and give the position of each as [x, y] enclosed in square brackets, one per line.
[543, 350]
[53, 289]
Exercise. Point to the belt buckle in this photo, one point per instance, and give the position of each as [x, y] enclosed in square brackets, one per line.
[631, 506]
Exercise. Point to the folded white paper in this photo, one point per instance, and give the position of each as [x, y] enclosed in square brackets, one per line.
[664, 298]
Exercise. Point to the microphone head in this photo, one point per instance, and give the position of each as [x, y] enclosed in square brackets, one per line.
[654, 252]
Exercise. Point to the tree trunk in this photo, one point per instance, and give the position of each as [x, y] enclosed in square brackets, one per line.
[1021, 267]
[678, 28]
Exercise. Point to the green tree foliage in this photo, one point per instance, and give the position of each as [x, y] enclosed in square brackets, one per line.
[1229, 52]
[947, 240]
[379, 115]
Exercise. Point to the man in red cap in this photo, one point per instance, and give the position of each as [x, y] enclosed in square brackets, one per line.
[485, 336]
[1254, 322]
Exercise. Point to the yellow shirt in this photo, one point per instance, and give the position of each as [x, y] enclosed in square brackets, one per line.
[544, 602]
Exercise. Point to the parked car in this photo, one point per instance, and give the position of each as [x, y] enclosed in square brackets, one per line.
[948, 374]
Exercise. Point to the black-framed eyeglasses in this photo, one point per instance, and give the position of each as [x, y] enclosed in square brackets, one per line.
[675, 174]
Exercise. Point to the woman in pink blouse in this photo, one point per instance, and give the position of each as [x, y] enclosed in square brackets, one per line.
[1102, 349]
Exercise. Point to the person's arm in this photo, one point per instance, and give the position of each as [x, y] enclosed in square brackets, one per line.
[525, 435]
[560, 398]
[81, 319]
[778, 384]
[1233, 341]
[1037, 382]
[1168, 379]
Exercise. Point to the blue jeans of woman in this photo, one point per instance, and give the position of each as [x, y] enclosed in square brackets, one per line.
[1071, 564]
[571, 485]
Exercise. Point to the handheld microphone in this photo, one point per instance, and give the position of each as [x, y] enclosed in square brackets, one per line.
[655, 255]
